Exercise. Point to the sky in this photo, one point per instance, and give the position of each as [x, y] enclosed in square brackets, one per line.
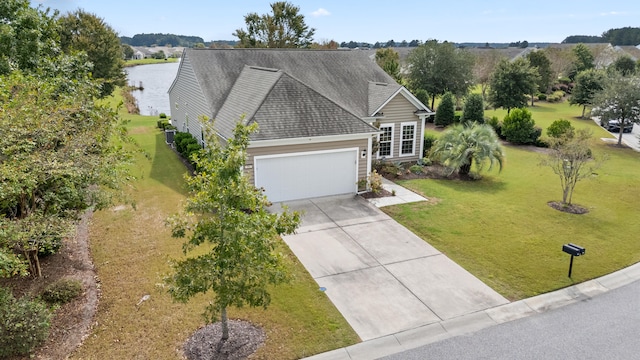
[373, 20]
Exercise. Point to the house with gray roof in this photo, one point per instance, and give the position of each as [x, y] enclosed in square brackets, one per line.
[318, 112]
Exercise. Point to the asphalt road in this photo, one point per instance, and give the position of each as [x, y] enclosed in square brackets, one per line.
[604, 327]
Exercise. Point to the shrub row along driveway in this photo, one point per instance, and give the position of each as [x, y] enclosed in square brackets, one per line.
[380, 276]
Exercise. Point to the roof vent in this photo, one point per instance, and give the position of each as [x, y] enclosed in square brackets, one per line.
[263, 68]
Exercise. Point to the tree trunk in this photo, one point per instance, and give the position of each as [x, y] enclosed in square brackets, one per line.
[465, 169]
[532, 95]
[621, 131]
[225, 325]
[584, 108]
[565, 194]
[433, 101]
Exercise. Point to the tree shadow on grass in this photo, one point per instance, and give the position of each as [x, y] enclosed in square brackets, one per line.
[167, 167]
[486, 184]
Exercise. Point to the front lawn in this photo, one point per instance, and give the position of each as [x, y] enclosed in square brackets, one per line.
[501, 229]
[131, 249]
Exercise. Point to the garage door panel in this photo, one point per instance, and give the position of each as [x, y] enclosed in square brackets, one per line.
[306, 175]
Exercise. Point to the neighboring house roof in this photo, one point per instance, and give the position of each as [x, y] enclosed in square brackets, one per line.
[510, 53]
[632, 51]
[292, 93]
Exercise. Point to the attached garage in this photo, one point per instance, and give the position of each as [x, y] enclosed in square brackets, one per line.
[307, 174]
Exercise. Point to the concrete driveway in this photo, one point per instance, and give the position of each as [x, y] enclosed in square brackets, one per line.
[379, 275]
[631, 139]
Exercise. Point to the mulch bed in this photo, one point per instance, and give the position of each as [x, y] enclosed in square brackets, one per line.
[205, 344]
[568, 208]
[71, 323]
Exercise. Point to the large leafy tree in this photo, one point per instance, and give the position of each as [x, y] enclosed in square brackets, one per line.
[619, 100]
[81, 31]
[511, 82]
[57, 158]
[389, 61]
[484, 65]
[28, 36]
[230, 232]
[588, 84]
[583, 59]
[461, 146]
[283, 28]
[624, 65]
[439, 68]
[561, 60]
[571, 159]
[541, 63]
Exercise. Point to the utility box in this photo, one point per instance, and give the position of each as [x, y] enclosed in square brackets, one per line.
[573, 249]
[169, 135]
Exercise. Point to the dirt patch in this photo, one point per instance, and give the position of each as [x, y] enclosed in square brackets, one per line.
[72, 322]
[244, 340]
[568, 208]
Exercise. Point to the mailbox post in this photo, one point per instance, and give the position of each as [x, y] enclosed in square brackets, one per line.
[573, 250]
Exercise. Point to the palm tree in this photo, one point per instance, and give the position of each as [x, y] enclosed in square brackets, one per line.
[462, 145]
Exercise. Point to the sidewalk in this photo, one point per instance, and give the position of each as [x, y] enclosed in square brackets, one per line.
[402, 195]
[392, 344]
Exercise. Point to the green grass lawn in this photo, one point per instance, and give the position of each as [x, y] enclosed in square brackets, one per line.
[501, 229]
[131, 250]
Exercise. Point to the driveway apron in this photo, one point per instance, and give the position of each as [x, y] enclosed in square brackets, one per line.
[382, 278]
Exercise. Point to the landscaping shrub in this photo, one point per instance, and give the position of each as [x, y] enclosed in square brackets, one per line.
[557, 96]
[388, 168]
[519, 128]
[445, 112]
[183, 141]
[191, 148]
[425, 161]
[375, 182]
[457, 117]
[162, 116]
[496, 125]
[560, 128]
[62, 291]
[416, 169]
[24, 324]
[428, 141]
[542, 97]
[473, 109]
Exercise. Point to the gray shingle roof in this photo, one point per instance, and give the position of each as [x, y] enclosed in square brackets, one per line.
[342, 76]
[245, 97]
[379, 93]
[294, 110]
[291, 93]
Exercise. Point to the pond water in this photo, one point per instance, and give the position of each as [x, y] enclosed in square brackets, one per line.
[156, 80]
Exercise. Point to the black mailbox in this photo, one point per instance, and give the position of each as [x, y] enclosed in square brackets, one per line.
[573, 249]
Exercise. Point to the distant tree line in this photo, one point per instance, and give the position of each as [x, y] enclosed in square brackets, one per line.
[622, 36]
[161, 39]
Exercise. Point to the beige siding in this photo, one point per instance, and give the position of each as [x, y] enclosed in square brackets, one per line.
[397, 111]
[361, 144]
[188, 103]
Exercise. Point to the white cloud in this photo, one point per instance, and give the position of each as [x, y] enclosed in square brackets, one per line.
[611, 13]
[320, 12]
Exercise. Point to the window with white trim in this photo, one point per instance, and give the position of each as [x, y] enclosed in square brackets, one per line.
[408, 139]
[385, 141]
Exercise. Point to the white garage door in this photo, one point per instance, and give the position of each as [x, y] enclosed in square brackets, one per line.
[306, 175]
